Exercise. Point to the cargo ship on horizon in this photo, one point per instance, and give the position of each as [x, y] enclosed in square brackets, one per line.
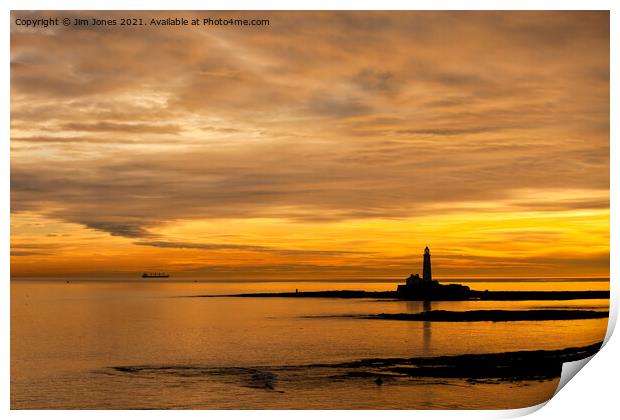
[151, 275]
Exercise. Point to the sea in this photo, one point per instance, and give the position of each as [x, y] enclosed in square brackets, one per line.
[153, 344]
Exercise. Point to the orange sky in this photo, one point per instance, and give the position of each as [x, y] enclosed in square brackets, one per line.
[326, 145]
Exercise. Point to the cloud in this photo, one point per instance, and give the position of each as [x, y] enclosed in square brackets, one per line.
[104, 126]
[332, 106]
[129, 192]
[320, 117]
[31, 249]
[74, 141]
[375, 80]
[118, 229]
[27, 253]
[241, 247]
[448, 131]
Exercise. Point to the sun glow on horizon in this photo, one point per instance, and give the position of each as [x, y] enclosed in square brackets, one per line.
[256, 154]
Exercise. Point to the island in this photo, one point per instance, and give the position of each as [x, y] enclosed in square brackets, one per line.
[426, 289]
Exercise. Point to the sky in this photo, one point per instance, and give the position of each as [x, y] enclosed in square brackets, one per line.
[326, 145]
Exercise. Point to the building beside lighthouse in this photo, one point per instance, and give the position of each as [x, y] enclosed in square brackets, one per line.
[425, 288]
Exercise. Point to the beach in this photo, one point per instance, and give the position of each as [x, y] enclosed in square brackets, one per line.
[141, 344]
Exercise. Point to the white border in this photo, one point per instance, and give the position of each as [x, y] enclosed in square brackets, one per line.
[593, 394]
[311, 5]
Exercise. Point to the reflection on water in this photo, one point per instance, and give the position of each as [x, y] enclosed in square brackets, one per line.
[66, 337]
[416, 307]
[426, 327]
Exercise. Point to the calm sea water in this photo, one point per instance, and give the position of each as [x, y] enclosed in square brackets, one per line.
[68, 341]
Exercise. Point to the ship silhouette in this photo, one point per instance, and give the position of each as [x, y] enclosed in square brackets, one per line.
[151, 275]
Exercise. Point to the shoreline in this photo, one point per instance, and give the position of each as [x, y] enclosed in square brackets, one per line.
[510, 366]
[492, 315]
[506, 366]
[473, 295]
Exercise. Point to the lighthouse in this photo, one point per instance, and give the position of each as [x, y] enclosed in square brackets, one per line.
[426, 269]
[427, 289]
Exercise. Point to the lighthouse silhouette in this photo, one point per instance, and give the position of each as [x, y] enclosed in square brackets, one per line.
[427, 289]
[426, 270]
